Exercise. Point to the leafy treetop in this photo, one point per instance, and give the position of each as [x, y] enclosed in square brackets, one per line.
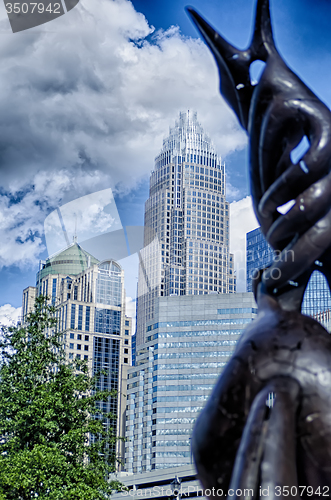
[47, 416]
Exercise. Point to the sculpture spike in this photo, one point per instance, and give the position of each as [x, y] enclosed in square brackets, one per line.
[214, 40]
[262, 43]
[233, 65]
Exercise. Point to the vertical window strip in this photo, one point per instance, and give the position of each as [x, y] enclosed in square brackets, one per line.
[73, 315]
[87, 318]
[80, 317]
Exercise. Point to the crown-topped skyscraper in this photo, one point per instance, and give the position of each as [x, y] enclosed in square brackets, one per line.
[186, 241]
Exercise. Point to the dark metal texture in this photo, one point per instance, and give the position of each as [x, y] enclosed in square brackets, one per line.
[239, 442]
[284, 353]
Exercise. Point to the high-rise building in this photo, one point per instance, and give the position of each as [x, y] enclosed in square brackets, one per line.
[89, 298]
[188, 344]
[317, 299]
[186, 240]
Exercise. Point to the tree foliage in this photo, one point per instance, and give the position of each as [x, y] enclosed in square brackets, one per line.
[47, 417]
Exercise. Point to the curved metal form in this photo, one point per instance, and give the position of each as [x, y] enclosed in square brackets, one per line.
[239, 442]
[277, 113]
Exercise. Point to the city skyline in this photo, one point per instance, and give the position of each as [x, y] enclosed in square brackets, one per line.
[86, 102]
[91, 114]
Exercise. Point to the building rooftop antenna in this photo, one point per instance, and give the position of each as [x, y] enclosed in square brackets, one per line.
[75, 235]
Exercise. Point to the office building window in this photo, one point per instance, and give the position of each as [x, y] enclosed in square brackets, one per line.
[106, 365]
[87, 318]
[73, 315]
[53, 291]
[80, 317]
[107, 321]
[109, 286]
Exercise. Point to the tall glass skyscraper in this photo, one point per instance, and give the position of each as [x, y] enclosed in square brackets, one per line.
[186, 240]
[317, 299]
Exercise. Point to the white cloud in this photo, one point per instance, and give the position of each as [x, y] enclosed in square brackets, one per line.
[130, 307]
[231, 191]
[9, 315]
[242, 220]
[91, 91]
[130, 310]
[81, 219]
[22, 214]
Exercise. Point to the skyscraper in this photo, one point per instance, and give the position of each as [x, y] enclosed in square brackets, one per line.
[186, 240]
[188, 344]
[89, 297]
[316, 301]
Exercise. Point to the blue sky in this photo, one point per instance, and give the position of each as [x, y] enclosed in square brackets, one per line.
[86, 100]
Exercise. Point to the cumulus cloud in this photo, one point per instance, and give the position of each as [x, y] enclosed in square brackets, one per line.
[91, 92]
[22, 214]
[81, 219]
[9, 315]
[130, 310]
[231, 192]
[242, 220]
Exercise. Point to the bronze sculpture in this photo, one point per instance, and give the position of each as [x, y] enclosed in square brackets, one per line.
[239, 443]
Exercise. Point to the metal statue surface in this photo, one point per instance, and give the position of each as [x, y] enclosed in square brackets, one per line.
[239, 443]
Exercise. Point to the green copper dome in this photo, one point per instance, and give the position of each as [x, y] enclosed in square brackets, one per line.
[71, 261]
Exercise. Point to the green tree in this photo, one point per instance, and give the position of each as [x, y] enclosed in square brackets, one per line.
[47, 415]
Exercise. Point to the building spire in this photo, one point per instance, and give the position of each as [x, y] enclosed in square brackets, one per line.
[75, 234]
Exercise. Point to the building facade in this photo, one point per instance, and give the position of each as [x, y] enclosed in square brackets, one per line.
[89, 298]
[186, 240]
[188, 344]
[317, 298]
